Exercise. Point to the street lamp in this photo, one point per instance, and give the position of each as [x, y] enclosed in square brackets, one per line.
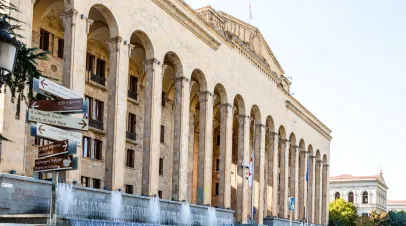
[8, 51]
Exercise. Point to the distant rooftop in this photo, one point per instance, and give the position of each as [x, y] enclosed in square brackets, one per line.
[396, 202]
[349, 177]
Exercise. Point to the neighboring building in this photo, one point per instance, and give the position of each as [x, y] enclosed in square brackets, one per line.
[366, 192]
[398, 205]
[177, 96]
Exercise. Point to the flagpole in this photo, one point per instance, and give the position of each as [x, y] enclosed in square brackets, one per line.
[253, 170]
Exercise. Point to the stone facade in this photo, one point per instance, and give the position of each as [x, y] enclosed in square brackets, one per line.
[366, 192]
[208, 94]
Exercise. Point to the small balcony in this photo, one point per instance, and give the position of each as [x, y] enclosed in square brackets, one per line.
[132, 95]
[98, 79]
[96, 124]
[131, 136]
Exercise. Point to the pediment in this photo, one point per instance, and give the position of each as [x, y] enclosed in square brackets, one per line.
[248, 35]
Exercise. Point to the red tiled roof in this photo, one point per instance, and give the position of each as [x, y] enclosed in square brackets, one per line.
[349, 177]
[396, 201]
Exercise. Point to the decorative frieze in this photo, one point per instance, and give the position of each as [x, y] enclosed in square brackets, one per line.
[174, 11]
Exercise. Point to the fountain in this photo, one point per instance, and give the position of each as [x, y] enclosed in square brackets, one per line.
[154, 210]
[211, 216]
[65, 198]
[116, 203]
[186, 215]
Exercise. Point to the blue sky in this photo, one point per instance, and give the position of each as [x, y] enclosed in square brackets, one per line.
[347, 61]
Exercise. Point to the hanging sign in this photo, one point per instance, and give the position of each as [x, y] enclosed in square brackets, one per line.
[57, 148]
[62, 106]
[55, 163]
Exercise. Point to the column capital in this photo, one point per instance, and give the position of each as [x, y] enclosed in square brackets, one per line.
[261, 126]
[241, 118]
[130, 49]
[326, 165]
[283, 141]
[68, 17]
[226, 105]
[181, 79]
[319, 161]
[302, 150]
[204, 96]
[114, 44]
[312, 156]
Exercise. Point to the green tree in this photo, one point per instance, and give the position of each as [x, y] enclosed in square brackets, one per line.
[396, 218]
[342, 213]
[375, 218]
[25, 66]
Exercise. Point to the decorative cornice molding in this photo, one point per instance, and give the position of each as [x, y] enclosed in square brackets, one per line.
[176, 13]
[308, 120]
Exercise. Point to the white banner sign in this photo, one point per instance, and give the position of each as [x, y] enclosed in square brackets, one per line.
[57, 119]
[54, 133]
[57, 90]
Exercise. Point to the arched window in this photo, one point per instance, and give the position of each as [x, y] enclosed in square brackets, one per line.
[351, 197]
[365, 197]
[337, 196]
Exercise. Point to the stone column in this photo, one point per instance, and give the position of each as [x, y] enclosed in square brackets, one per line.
[180, 151]
[205, 148]
[296, 188]
[190, 161]
[312, 168]
[243, 158]
[317, 206]
[283, 186]
[74, 65]
[259, 165]
[292, 176]
[116, 114]
[302, 184]
[152, 126]
[275, 173]
[268, 188]
[324, 203]
[226, 133]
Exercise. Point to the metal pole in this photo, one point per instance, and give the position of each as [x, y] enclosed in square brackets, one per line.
[55, 177]
[253, 170]
[290, 217]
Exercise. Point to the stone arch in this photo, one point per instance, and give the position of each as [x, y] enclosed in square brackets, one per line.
[256, 114]
[173, 70]
[240, 104]
[99, 10]
[221, 92]
[318, 154]
[310, 150]
[199, 78]
[172, 59]
[325, 162]
[141, 51]
[282, 132]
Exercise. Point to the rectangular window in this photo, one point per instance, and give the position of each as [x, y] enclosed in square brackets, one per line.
[44, 40]
[96, 183]
[101, 68]
[129, 189]
[163, 103]
[131, 123]
[87, 98]
[133, 87]
[160, 194]
[90, 62]
[162, 134]
[85, 181]
[86, 146]
[98, 109]
[218, 139]
[217, 165]
[130, 158]
[97, 149]
[60, 47]
[217, 189]
[161, 166]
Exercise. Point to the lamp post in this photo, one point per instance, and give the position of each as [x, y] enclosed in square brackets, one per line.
[8, 51]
